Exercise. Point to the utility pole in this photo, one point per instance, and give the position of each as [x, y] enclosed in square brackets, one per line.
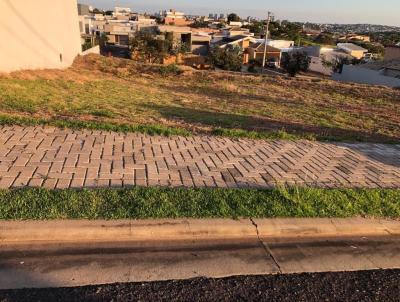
[266, 39]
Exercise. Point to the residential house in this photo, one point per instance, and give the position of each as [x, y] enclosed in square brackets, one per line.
[240, 41]
[98, 24]
[321, 56]
[280, 44]
[119, 32]
[38, 34]
[86, 24]
[201, 44]
[385, 73]
[354, 50]
[256, 53]
[392, 52]
[275, 48]
[179, 34]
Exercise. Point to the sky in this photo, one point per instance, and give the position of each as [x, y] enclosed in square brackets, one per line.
[385, 12]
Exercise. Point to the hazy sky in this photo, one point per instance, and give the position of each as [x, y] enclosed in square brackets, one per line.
[326, 11]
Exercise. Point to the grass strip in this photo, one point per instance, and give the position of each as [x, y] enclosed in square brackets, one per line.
[270, 135]
[155, 129]
[158, 129]
[93, 125]
[147, 203]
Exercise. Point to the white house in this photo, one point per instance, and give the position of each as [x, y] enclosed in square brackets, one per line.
[38, 34]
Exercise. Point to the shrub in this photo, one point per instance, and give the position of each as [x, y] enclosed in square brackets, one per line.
[229, 58]
[169, 70]
[294, 62]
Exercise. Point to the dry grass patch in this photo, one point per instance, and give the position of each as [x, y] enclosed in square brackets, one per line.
[109, 90]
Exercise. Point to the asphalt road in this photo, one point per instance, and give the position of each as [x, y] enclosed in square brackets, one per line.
[378, 285]
[82, 264]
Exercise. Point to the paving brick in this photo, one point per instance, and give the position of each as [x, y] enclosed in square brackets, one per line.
[50, 183]
[36, 182]
[6, 182]
[63, 183]
[50, 157]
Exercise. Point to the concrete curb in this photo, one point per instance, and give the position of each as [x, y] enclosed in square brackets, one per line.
[22, 232]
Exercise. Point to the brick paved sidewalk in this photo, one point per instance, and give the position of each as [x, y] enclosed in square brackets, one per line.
[55, 158]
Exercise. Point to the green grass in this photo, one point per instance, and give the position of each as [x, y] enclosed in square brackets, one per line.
[281, 134]
[146, 203]
[114, 94]
[93, 125]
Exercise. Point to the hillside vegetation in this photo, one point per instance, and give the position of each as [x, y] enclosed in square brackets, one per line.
[116, 94]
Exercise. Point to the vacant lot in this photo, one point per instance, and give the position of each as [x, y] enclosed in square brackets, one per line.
[99, 92]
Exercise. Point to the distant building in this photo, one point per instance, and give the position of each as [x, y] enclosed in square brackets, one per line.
[236, 24]
[84, 10]
[38, 34]
[353, 50]
[173, 17]
[392, 52]
[122, 11]
[235, 31]
[354, 37]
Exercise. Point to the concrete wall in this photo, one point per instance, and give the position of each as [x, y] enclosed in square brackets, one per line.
[93, 50]
[392, 52]
[356, 74]
[38, 34]
[317, 65]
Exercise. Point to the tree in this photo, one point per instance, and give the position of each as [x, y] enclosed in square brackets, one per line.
[228, 58]
[294, 62]
[97, 11]
[145, 47]
[233, 17]
[325, 39]
[256, 27]
[285, 30]
[199, 24]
